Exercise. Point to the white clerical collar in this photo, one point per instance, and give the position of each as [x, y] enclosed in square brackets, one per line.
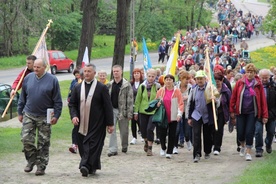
[89, 82]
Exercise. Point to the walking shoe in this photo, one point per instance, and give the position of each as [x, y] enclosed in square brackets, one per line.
[157, 141]
[149, 152]
[142, 140]
[268, 149]
[196, 159]
[216, 152]
[124, 150]
[146, 147]
[112, 154]
[238, 149]
[189, 145]
[84, 171]
[259, 154]
[133, 141]
[73, 148]
[162, 152]
[40, 172]
[248, 157]
[29, 168]
[175, 151]
[207, 156]
[169, 156]
[181, 145]
[242, 151]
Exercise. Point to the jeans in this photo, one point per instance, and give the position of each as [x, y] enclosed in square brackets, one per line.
[270, 128]
[246, 128]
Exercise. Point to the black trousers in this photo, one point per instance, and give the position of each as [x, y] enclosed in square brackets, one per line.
[171, 131]
[134, 125]
[207, 137]
[218, 135]
[75, 131]
[146, 127]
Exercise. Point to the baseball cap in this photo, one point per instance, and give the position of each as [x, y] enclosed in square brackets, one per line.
[200, 73]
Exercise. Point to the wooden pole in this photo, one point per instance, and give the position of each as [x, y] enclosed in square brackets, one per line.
[212, 90]
[22, 77]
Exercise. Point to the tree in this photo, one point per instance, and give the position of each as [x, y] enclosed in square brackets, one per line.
[269, 23]
[121, 32]
[89, 8]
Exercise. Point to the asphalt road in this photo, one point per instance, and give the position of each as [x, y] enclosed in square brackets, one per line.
[8, 76]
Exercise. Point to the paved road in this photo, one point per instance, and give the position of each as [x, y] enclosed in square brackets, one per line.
[8, 76]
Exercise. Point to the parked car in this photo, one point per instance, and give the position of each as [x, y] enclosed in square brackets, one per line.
[5, 90]
[58, 61]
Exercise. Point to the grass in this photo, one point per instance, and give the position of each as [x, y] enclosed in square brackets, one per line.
[264, 1]
[260, 171]
[264, 58]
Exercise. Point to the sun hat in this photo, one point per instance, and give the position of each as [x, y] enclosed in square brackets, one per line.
[200, 73]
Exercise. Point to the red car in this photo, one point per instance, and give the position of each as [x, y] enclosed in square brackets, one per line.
[58, 61]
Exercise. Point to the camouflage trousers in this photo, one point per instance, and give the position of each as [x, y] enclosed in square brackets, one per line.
[36, 155]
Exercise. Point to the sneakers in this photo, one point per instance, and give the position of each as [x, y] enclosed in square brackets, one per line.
[207, 156]
[189, 145]
[73, 148]
[169, 156]
[162, 152]
[196, 159]
[268, 149]
[157, 141]
[242, 151]
[133, 141]
[175, 151]
[112, 154]
[216, 152]
[29, 168]
[142, 140]
[248, 157]
[259, 154]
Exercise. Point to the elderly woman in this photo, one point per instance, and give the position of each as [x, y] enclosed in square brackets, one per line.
[172, 99]
[248, 103]
[223, 112]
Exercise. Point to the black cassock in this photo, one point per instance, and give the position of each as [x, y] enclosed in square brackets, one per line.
[101, 115]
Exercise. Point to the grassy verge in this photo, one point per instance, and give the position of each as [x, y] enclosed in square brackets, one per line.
[260, 171]
[265, 57]
[264, 1]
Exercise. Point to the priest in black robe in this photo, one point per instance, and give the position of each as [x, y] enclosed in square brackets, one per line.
[91, 110]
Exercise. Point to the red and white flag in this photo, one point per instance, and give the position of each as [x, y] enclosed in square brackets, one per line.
[42, 53]
[85, 59]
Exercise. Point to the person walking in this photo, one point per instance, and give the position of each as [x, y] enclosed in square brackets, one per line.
[223, 112]
[270, 93]
[121, 94]
[91, 112]
[29, 69]
[248, 103]
[200, 115]
[39, 86]
[171, 97]
[146, 93]
[137, 80]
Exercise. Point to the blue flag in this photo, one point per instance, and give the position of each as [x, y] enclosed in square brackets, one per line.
[147, 62]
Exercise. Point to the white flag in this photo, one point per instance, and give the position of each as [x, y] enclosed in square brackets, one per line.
[85, 59]
[42, 53]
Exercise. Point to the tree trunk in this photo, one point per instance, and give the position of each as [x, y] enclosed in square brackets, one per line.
[199, 15]
[89, 8]
[121, 32]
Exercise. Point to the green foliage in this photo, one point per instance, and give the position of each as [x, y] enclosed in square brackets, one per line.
[65, 31]
[269, 23]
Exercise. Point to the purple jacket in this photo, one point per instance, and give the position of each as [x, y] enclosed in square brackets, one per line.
[225, 101]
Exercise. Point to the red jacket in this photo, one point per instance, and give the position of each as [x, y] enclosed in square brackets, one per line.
[237, 95]
[15, 83]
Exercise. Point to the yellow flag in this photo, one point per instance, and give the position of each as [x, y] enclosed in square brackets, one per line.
[171, 64]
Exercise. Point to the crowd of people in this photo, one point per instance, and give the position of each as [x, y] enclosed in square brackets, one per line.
[246, 99]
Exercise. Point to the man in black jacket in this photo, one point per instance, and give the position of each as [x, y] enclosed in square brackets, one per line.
[270, 92]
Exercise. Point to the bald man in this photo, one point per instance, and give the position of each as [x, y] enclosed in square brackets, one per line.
[40, 92]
